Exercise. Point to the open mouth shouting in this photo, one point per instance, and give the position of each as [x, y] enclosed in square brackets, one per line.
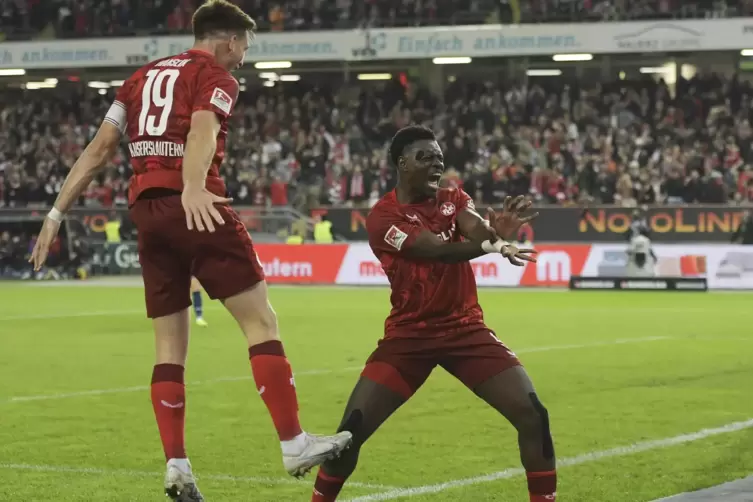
[434, 179]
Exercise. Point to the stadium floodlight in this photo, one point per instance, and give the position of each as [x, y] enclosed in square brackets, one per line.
[290, 78]
[573, 57]
[95, 84]
[39, 85]
[242, 88]
[374, 76]
[117, 83]
[51, 81]
[268, 75]
[12, 72]
[746, 52]
[452, 60]
[272, 65]
[654, 69]
[102, 92]
[544, 73]
[269, 83]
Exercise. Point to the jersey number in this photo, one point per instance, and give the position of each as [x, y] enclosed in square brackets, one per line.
[153, 96]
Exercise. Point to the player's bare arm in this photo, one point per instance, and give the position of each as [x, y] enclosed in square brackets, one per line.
[474, 228]
[92, 160]
[201, 144]
[428, 246]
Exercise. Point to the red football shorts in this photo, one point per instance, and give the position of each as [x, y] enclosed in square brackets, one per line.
[224, 261]
[404, 364]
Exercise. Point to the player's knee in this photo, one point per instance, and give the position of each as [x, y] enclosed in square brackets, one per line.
[533, 421]
[353, 423]
[262, 327]
[344, 465]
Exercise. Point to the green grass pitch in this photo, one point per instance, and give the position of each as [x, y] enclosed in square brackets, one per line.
[615, 370]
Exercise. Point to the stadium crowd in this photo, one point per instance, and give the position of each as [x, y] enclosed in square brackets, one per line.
[622, 142]
[23, 19]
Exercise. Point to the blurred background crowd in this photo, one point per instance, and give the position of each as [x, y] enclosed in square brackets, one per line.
[321, 140]
[85, 18]
[623, 142]
[561, 141]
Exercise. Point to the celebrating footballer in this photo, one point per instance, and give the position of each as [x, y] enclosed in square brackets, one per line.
[424, 236]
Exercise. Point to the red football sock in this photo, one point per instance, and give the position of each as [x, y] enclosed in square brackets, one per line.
[542, 486]
[169, 403]
[274, 381]
[326, 488]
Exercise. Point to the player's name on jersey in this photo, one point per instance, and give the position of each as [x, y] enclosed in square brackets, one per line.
[156, 149]
[173, 63]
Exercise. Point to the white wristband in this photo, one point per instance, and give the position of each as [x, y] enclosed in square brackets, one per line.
[55, 215]
[490, 247]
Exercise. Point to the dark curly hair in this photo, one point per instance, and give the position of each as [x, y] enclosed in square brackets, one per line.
[406, 137]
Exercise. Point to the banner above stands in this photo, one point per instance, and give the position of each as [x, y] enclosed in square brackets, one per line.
[405, 43]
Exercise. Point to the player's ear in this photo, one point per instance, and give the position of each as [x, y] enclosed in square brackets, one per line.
[401, 163]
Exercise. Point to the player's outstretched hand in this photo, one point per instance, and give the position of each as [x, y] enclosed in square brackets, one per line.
[44, 241]
[508, 222]
[518, 256]
[198, 203]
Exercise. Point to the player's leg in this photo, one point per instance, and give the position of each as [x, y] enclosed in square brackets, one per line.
[230, 271]
[198, 302]
[370, 404]
[494, 373]
[393, 373]
[167, 278]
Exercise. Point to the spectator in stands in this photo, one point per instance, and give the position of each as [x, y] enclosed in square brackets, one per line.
[624, 142]
[68, 18]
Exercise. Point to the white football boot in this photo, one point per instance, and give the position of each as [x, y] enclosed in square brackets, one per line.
[180, 484]
[305, 452]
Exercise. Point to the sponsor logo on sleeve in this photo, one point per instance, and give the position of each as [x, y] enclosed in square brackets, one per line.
[222, 100]
[395, 237]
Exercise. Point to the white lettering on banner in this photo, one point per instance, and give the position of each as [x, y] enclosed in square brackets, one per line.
[594, 284]
[155, 149]
[643, 285]
[278, 268]
[126, 258]
[660, 37]
[403, 43]
[553, 266]
[360, 267]
[690, 285]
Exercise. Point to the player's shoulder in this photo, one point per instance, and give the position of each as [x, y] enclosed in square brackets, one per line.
[209, 66]
[456, 196]
[387, 206]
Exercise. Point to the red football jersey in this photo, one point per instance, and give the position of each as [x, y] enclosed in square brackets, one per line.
[428, 298]
[154, 107]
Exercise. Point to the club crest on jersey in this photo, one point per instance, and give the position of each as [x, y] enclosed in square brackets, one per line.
[447, 209]
[222, 100]
[395, 237]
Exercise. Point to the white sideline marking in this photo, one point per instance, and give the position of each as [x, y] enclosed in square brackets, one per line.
[576, 460]
[148, 474]
[140, 388]
[211, 305]
[66, 315]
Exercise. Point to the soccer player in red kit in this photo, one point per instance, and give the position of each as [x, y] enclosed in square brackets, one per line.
[424, 237]
[175, 111]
